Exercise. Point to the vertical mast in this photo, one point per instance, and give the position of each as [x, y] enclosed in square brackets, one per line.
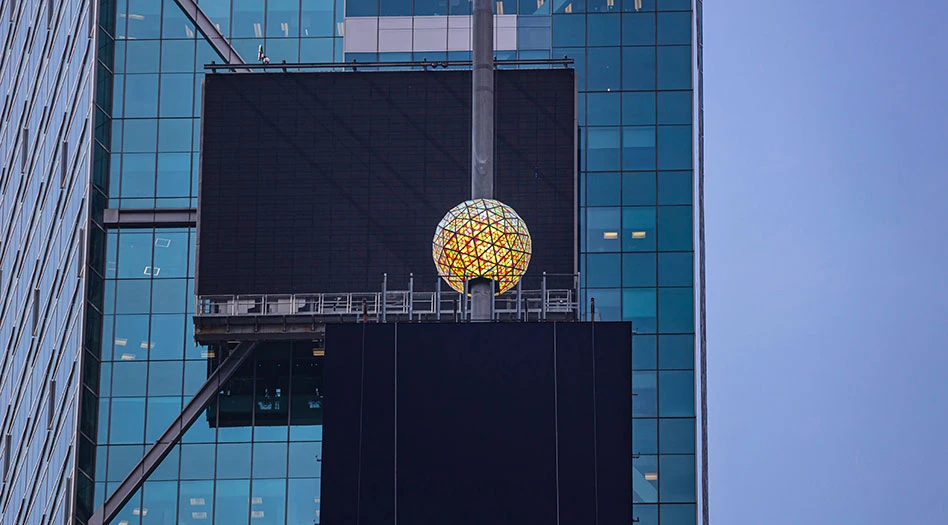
[482, 134]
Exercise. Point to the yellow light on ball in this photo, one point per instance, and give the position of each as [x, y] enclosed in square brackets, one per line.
[482, 238]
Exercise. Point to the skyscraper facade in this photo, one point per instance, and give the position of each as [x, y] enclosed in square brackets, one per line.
[100, 148]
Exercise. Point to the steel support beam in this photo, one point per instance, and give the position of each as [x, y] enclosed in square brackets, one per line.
[170, 437]
[214, 37]
[482, 134]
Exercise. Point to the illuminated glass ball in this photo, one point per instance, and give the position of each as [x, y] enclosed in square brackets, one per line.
[482, 238]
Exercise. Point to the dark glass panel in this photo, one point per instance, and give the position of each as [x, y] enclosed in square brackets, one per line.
[677, 436]
[676, 310]
[678, 478]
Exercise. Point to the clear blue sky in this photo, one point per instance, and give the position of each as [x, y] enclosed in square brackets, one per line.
[827, 224]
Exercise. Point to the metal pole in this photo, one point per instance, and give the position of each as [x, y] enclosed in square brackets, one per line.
[437, 304]
[464, 302]
[384, 293]
[519, 301]
[543, 298]
[411, 294]
[482, 133]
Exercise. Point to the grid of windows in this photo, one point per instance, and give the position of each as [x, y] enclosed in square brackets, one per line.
[46, 79]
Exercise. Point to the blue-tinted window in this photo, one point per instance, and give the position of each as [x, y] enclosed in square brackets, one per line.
[638, 269]
[283, 18]
[602, 149]
[676, 394]
[232, 502]
[676, 351]
[675, 269]
[174, 177]
[608, 304]
[134, 250]
[160, 498]
[645, 436]
[144, 19]
[170, 296]
[195, 502]
[603, 69]
[676, 310]
[678, 514]
[165, 378]
[674, 107]
[677, 478]
[248, 18]
[645, 514]
[579, 63]
[174, 23]
[638, 148]
[174, 135]
[603, 270]
[122, 460]
[638, 28]
[127, 421]
[128, 377]
[167, 337]
[302, 501]
[674, 147]
[638, 7]
[602, 189]
[141, 135]
[674, 28]
[130, 333]
[316, 18]
[533, 33]
[533, 7]
[233, 460]
[142, 56]
[138, 180]
[176, 95]
[645, 479]
[602, 229]
[673, 5]
[141, 99]
[197, 461]
[638, 307]
[678, 436]
[674, 67]
[305, 457]
[638, 108]
[604, 29]
[466, 7]
[638, 188]
[675, 228]
[268, 500]
[601, 108]
[674, 187]
[569, 30]
[638, 68]
[280, 49]
[167, 470]
[132, 296]
[644, 349]
[269, 460]
[161, 412]
[316, 50]
[638, 229]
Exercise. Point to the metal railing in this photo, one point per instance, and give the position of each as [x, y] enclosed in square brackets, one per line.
[516, 304]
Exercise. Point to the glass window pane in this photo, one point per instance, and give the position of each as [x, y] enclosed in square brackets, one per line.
[177, 95]
[268, 501]
[674, 187]
[127, 421]
[144, 19]
[177, 56]
[175, 24]
[197, 461]
[167, 337]
[174, 175]
[638, 269]
[602, 149]
[674, 107]
[248, 19]
[305, 457]
[219, 12]
[603, 270]
[638, 229]
[122, 460]
[138, 175]
[674, 28]
[678, 436]
[132, 296]
[269, 460]
[232, 502]
[283, 18]
[644, 350]
[134, 253]
[167, 470]
[674, 147]
[675, 269]
[604, 29]
[675, 228]
[601, 108]
[165, 378]
[645, 394]
[142, 56]
[602, 229]
[316, 50]
[638, 307]
[676, 352]
[195, 502]
[306, 416]
[170, 296]
[638, 188]
[676, 310]
[141, 135]
[638, 29]
[141, 100]
[532, 33]
[160, 498]
[280, 49]
[569, 30]
[161, 411]
[678, 514]
[128, 378]
[638, 107]
[676, 391]
[131, 331]
[638, 148]
[174, 134]
[645, 479]
[638, 68]
[317, 19]
[646, 514]
[644, 436]
[677, 478]
[603, 73]
[233, 460]
[362, 8]
[534, 7]
[171, 250]
[674, 67]
[608, 303]
[603, 189]
[302, 501]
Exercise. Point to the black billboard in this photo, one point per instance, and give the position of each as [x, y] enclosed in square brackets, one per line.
[469, 423]
[322, 182]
